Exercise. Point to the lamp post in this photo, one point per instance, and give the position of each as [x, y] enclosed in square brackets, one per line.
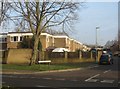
[97, 28]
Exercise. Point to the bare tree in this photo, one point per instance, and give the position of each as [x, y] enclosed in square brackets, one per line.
[43, 14]
[4, 8]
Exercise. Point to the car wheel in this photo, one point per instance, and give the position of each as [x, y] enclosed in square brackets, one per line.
[112, 62]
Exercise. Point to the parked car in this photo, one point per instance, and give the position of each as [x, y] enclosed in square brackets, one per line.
[117, 53]
[106, 59]
[60, 50]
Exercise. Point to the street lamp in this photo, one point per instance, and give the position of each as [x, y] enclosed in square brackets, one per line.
[97, 28]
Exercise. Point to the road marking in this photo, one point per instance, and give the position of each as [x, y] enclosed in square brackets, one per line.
[92, 77]
[42, 86]
[106, 71]
[47, 78]
[22, 77]
[92, 66]
[107, 81]
[60, 79]
[13, 76]
[10, 76]
[92, 80]
[33, 77]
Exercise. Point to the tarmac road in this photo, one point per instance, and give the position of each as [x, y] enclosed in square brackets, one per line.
[92, 76]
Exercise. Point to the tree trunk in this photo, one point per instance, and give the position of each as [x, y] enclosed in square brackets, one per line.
[35, 51]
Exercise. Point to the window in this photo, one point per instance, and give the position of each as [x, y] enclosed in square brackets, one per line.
[3, 40]
[47, 39]
[21, 38]
[14, 39]
[0, 40]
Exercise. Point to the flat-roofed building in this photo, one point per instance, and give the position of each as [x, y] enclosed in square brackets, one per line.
[61, 41]
[47, 40]
[3, 41]
[14, 40]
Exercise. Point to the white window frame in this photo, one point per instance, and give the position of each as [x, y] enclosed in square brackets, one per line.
[13, 39]
[20, 39]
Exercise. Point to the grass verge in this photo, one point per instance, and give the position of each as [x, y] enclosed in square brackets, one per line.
[45, 67]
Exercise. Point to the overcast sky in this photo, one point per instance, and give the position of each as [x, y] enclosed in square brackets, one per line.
[102, 14]
[93, 14]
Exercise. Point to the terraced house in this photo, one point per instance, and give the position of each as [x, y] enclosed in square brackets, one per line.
[3, 41]
[14, 40]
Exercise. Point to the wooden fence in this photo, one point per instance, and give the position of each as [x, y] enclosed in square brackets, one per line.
[69, 55]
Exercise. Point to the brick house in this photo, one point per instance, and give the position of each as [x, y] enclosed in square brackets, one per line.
[61, 41]
[3, 41]
[47, 40]
[14, 39]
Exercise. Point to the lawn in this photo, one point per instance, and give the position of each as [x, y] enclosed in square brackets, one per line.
[44, 67]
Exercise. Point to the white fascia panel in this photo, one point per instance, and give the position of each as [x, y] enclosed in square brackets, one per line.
[60, 36]
[46, 34]
[20, 34]
[3, 36]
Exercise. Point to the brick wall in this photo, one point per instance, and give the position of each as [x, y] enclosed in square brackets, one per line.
[19, 56]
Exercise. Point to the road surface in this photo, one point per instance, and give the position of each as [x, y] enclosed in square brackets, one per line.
[92, 76]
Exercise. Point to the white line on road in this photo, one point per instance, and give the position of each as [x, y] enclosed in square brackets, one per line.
[47, 78]
[107, 81]
[93, 66]
[106, 71]
[41, 86]
[22, 77]
[92, 77]
[13, 76]
[60, 79]
[10, 76]
[32, 77]
[92, 80]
